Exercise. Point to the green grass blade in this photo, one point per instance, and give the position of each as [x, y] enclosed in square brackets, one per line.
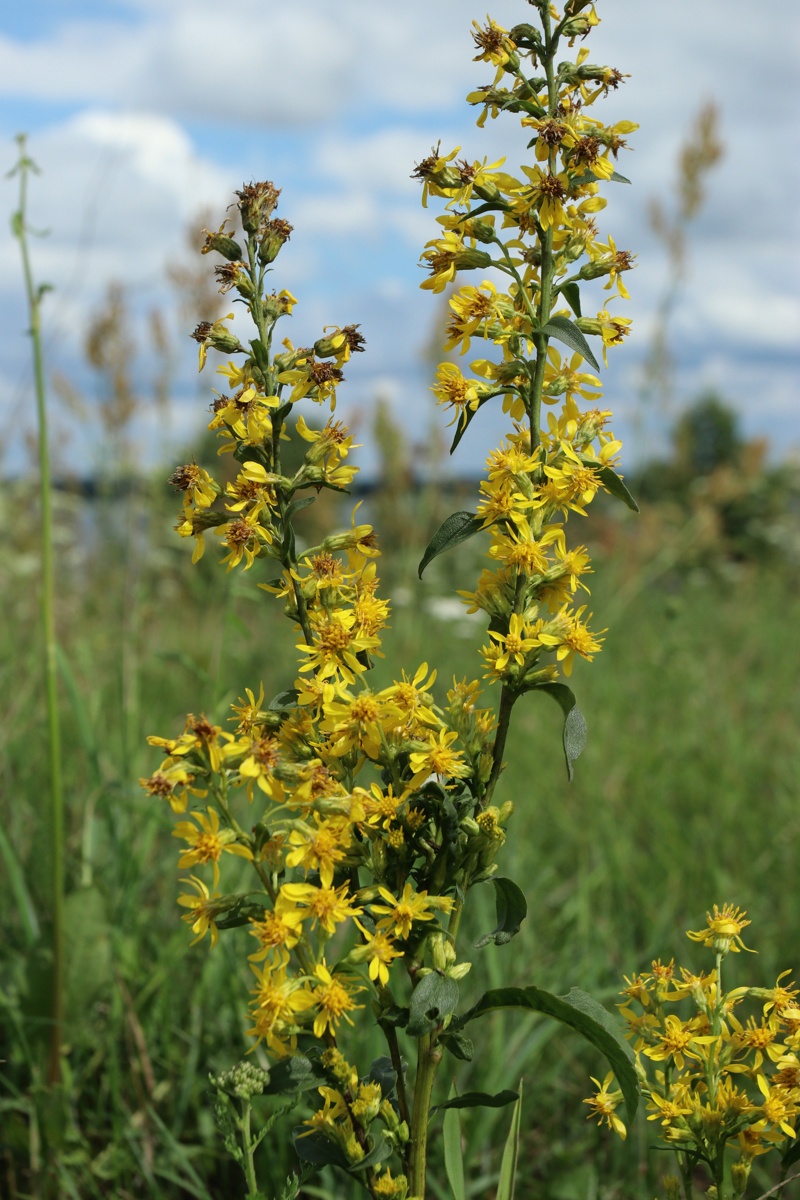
[453, 1155]
[508, 1167]
[16, 878]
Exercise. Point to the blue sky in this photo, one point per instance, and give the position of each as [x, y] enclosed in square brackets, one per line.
[141, 113]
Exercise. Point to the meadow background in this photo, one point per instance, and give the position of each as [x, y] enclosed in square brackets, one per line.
[687, 792]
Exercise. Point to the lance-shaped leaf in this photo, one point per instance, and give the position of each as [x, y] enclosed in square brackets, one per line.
[615, 486]
[478, 1100]
[512, 909]
[508, 1167]
[574, 736]
[583, 1014]
[434, 998]
[459, 1045]
[567, 331]
[572, 294]
[453, 1154]
[465, 420]
[314, 1147]
[456, 529]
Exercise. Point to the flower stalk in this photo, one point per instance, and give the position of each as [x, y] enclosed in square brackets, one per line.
[34, 294]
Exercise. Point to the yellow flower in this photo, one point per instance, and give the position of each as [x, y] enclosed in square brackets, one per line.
[379, 950]
[320, 848]
[208, 843]
[203, 910]
[677, 1040]
[327, 905]
[280, 929]
[412, 906]
[438, 758]
[603, 1105]
[334, 999]
[174, 783]
[723, 930]
[515, 645]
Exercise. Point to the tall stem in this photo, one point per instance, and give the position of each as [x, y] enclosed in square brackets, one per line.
[427, 1064]
[34, 294]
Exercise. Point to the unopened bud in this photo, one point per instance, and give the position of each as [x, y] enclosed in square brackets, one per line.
[218, 337]
[472, 260]
[276, 233]
[223, 243]
[256, 203]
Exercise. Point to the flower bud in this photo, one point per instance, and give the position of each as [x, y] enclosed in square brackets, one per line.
[244, 1080]
[276, 233]
[217, 337]
[223, 243]
[472, 260]
[256, 202]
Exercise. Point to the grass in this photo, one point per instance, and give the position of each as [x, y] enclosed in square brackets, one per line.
[685, 796]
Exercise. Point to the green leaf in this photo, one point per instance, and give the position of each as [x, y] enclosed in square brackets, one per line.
[459, 1045]
[297, 506]
[512, 909]
[572, 294]
[567, 331]
[791, 1156]
[296, 1074]
[314, 1147]
[616, 487]
[457, 528]
[283, 700]
[383, 1073]
[453, 1152]
[260, 355]
[615, 177]
[583, 1014]
[508, 1167]
[466, 420]
[381, 1150]
[477, 1100]
[434, 998]
[574, 736]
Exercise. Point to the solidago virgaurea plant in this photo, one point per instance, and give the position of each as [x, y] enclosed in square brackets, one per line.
[722, 1082]
[366, 815]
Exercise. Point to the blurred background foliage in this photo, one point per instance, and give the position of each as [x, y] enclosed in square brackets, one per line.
[685, 796]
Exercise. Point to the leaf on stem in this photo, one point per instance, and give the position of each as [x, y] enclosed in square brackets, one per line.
[296, 1074]
[457, 528]
[512, 909]
[572, 294]
[583, 1014]
[477, 1100]
[566, 331]
[434, 998]
[574, 736]
[616, 487]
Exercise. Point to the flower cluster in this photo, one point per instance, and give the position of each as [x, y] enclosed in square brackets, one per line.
[365, 814]
[721, 1083]
[538, 235]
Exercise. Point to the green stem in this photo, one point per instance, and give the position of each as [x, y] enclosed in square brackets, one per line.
[249, 1165]
[34, 294]
[429, 1057]
[507, 699]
